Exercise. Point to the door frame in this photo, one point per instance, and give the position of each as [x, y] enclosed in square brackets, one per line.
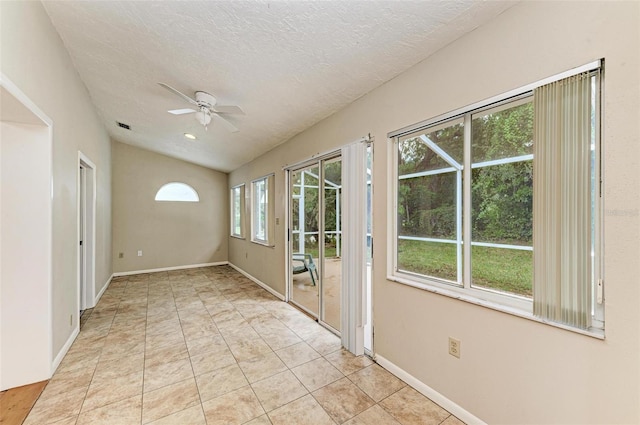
[88, 281]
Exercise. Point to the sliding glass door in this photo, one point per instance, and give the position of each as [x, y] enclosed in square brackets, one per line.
[315, 232]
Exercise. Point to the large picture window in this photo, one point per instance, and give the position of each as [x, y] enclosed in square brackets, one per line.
[499, 203]
[237, 211]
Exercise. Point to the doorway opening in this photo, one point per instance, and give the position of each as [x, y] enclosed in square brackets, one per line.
[25, 240]
[86, 232]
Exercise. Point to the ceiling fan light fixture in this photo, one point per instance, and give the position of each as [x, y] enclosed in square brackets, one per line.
[203, 117]
[190, 136]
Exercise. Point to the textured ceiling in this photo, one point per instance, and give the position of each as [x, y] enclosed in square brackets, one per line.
[287, 64]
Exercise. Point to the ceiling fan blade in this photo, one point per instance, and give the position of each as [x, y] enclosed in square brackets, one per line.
[232, 128]
[182, 95]
[227, 109]
[181, 111]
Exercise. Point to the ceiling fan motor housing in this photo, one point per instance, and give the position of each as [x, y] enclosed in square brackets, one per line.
[205, 99]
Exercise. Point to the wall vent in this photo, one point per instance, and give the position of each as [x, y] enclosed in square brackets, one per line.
[123, 125]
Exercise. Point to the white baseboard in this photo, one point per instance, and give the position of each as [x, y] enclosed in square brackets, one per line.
[259, 282]
[104, 288]
[453, 408]
[165, 269]
[64, 349]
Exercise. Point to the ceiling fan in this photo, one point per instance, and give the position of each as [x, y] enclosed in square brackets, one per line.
[206, 108]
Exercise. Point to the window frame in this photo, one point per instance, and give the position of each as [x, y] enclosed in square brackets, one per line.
[241, 189]
[268, 182]
[182, 185]
[466, 288]
[513, 304]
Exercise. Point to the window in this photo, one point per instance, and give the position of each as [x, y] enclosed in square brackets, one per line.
[177, 192]
[262, 210]
[237, 211]
[482, 189]
[260, 214]
[502, 198]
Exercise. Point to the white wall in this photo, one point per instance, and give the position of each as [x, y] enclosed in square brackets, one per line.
[512, 370]
[34, 58]
[25, 253]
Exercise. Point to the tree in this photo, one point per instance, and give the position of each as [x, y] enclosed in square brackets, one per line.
[502, 195]
[427, 204]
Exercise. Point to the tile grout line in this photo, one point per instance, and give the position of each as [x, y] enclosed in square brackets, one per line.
[243, 373]
[84, 399]
[96, 366]
[144, 356]
[237, 363]
[189, 354]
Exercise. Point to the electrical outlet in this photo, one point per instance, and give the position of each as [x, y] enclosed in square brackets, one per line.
[140, 253]
[121, 255]
[277, 221]
[454, 347]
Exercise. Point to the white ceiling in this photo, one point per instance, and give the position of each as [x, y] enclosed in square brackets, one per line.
[288, 64]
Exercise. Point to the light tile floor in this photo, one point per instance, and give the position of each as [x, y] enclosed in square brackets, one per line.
[208, 346]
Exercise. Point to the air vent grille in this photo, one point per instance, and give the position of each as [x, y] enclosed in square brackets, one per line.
[123, 125]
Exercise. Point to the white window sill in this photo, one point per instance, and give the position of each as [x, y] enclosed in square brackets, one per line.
[238, 237]
[594, 333]
[263, 243]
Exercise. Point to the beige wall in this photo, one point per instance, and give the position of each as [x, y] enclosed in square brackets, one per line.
[512, 370]
[34, 58]
[267, 263]
[168, 233]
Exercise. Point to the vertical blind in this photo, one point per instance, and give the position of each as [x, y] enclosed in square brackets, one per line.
[354, 239]
[562, 213]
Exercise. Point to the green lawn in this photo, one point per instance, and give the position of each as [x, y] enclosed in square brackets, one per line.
[329, 251]
[501, 269]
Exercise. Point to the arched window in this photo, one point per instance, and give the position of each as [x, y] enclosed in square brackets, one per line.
[177, 192]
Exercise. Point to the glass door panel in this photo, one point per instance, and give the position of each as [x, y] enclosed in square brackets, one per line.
[368, 337]
[332, 235]
[305, 279]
